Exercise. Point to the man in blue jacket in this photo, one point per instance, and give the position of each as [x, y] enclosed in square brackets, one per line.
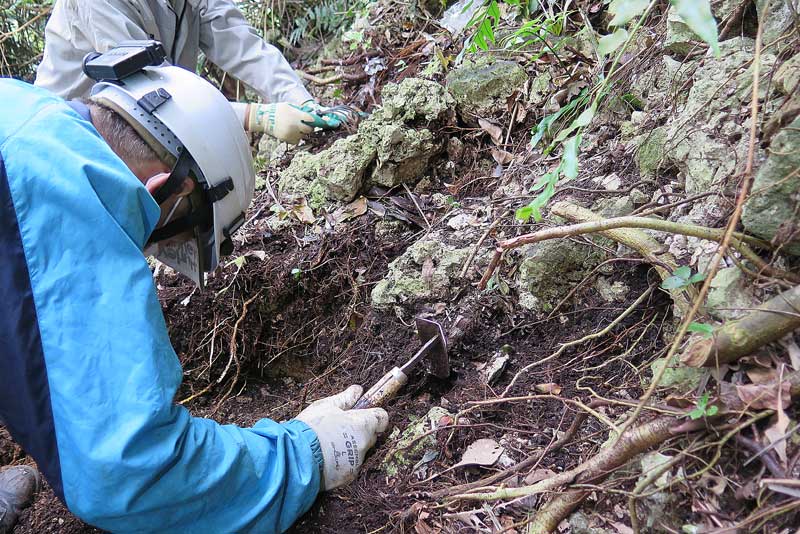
[87, 372]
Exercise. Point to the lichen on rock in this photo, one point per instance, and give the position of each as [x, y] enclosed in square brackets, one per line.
[774, 203]
[425, 271]
[385, 150]
[549, 269]
[482, 85]
[412, 442]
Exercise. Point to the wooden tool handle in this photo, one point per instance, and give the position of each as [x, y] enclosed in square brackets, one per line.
[383, 390]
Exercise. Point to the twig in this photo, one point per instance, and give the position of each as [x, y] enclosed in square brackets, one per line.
[477, 246]
[584, 339]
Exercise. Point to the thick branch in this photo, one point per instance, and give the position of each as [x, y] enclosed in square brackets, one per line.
[769, 322]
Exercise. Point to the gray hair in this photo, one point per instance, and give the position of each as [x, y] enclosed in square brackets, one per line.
[120, 136]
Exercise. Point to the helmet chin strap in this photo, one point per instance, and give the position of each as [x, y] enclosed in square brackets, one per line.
[200, 213]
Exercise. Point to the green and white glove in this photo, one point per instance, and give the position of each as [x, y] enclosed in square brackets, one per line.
[344, 435]
[283, 121]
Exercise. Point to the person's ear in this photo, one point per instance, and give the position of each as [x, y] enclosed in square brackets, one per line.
[154, 183]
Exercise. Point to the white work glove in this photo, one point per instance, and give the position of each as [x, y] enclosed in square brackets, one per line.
[344, 435]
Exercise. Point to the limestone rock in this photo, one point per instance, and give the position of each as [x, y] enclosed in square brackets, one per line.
[677, 375]
[540, 89]
[772, 209]
[650, 155]
[680, 38]
[777, 16]
[788, 76]
[729, 289]
[614, 206]
[385, 144]
[425, 271]
[410, 446]
[415, 98]
[704, 140]
[482, 86]
[549, 269]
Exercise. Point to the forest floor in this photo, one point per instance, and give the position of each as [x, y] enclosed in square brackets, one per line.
[341, 250]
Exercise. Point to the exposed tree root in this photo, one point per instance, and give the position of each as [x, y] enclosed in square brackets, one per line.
[769, 322]
[636, 440]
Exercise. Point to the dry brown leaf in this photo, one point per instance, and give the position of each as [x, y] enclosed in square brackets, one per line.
[303, 212]
[775, 434]
[352, 210]
[501, 156]
[765, 396]
[622, 528]
[494, 131]
[484, 452]
[551, 388]
[762, 375]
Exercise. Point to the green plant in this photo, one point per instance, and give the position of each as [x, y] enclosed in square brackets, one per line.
[682, 277]
[22, 36]
[702, 409]
[695, 13]
[325, 19]
[296, 273]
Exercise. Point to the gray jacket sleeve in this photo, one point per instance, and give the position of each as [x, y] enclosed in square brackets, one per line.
[232, 44]
[77, 27]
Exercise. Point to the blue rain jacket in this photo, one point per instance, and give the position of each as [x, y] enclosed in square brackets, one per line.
[87, 372]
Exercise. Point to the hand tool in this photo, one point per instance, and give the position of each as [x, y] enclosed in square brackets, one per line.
[434, 345]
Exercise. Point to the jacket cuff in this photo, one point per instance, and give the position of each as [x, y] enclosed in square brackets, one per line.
[312, 440]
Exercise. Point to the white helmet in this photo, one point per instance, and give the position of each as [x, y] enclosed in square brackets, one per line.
[188, 121]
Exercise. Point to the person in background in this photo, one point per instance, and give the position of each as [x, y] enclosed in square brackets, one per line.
[185, 27]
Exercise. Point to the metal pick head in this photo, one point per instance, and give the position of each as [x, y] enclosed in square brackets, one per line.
[438, 360]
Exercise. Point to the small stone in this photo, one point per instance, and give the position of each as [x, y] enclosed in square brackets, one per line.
[461, 221]
[612, 182]
[410, 444]
[677, 375]
[638, 197]
[611, 291]
[729, 290]
[495, 368]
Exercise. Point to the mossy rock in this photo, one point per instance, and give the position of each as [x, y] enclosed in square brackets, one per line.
[482, 86]
[771, 209]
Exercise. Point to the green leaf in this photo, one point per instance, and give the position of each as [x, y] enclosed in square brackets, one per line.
[625, 10]
[570, 157]
[683, 272]
[699, 328]
[609, 43]
[697, 15]
[584, 119]
[712, 411]
[674, 282]
[697, 413]
[523, 214]
[697, 277]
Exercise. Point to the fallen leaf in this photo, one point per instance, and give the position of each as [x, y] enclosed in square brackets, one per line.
[762, 375]
[765, 396]
[551, 388]
[537, 475]
[303, 212]
[501, 156]
[494, 131]
[622, 528]
[483, 452]
[352, 210]
[793, 350]
[776, 432]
